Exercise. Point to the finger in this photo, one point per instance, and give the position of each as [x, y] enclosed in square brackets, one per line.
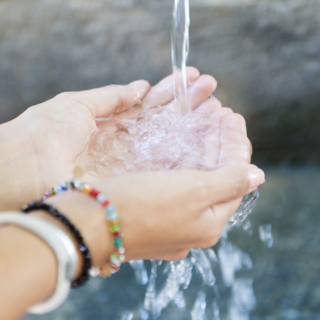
[198, 92]
[209, 106]
[235, 147]
[163, 92]
[217, 216]
[212, 141]
[230, 183]
[104, 101]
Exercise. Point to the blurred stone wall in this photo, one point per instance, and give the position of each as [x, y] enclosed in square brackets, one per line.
[264, 54]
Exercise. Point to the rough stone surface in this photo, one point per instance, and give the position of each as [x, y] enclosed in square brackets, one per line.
[264, 54]
[285, 278]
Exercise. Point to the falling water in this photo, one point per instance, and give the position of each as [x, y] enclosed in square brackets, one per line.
[231, 258]
[162, 140]
[180, 51]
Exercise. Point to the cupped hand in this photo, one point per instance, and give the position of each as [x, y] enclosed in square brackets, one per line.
[164, 214]
[39, 148]
[226, 142]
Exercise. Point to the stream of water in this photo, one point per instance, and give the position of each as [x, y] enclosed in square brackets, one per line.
[231, 259]
[180, 51]
[162, 140]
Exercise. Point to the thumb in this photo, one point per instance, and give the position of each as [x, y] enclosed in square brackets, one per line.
[102, 102]
[232, 182]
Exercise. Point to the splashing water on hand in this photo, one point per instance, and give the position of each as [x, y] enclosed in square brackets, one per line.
[170, 138]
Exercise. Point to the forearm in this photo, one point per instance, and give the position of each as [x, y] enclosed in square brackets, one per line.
[27, 271]
[17, 167]
[27, 262]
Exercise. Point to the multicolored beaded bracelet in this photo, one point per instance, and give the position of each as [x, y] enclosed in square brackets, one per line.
[117, 256]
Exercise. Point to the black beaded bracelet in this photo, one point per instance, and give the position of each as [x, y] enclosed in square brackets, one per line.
[35, 206]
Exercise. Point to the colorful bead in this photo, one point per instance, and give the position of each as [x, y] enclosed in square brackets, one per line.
[94, 193]
[105, 203]
[115, 268]
[112, 216]
[117, 256]
[117, 234]
[101, 198]
[57, 189]
[115, 228]
[87, 189]
[110, 209]
[119, 250]
[105, 271]
[118, 242]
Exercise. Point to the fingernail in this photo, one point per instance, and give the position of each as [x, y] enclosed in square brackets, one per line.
[141, 87]
[257, 177]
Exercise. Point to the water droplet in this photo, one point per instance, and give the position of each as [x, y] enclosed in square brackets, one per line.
[265, 233]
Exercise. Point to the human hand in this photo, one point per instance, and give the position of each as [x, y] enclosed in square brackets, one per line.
[162, 214]
[135, 140]
[39, 148]
[226, 142]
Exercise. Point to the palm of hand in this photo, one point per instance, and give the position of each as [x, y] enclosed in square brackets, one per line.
[132, 141]
[225, 141]
[66, 124]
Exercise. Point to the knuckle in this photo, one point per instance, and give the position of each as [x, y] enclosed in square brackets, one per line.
[201, 191]
[238, 184]
[116, 94]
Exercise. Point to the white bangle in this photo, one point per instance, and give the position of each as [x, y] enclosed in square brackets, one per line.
[63, 248]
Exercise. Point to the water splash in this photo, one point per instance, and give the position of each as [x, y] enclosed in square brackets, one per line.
[232, 259]
[127, 315]
[247, 227]
[265, 234]
[199, 308]
[140, 271]
[242, 301]
[162, 140]
[246, 207]
[203, 265]
[215, 311]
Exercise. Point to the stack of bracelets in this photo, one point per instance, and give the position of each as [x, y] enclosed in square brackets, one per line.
[117, 256]
[62, 245]
[113, 225]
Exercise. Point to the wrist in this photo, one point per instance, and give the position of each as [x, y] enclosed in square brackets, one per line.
[89, 218]
[17, 167]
